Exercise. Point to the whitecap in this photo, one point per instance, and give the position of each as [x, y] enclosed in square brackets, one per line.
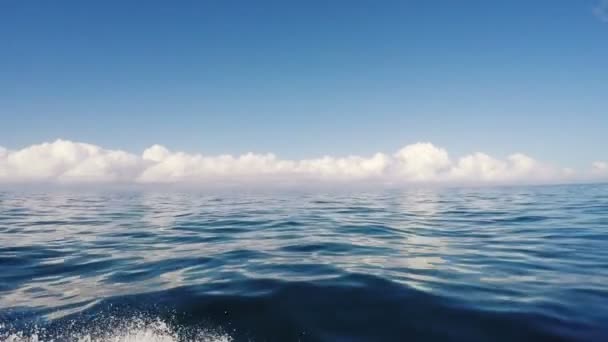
[133, 330]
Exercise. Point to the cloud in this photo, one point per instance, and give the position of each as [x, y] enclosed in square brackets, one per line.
[599, 168]
[72, 162]
[601, 10]
[421, 162]
[169, 167]
[516, 167]
[66, 161]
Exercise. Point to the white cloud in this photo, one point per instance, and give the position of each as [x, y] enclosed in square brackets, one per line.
[72, 162]
[517, 167]
[179, 166]
[421, 162]
[599, 168]
[66, 161]
[156, 153]
[601, 10]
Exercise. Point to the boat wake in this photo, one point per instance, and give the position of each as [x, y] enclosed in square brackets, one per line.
[136, 329]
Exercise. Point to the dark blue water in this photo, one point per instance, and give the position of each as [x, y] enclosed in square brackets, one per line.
[486, 264]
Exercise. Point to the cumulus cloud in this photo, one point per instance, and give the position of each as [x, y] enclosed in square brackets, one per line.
[601, 10]
[66, 161]
[72, 162]
[515, 168]
[421, 162]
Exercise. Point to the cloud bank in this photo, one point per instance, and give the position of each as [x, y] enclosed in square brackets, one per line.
[67, 162]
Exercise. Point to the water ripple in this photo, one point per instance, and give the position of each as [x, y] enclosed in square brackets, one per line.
[527, 263]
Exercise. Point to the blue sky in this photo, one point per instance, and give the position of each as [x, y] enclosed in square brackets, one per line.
[308, 78]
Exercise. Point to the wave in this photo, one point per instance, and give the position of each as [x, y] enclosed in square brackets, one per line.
[505, 264]
[135, 329]
[350, 308]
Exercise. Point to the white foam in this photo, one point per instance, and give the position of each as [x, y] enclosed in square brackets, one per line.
[134, 331]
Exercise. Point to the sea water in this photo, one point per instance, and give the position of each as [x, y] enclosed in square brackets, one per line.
[462, 264]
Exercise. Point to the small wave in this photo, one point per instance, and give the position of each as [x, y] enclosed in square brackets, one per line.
[132, 330]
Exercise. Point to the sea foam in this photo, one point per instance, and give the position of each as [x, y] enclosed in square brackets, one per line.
[133, 330]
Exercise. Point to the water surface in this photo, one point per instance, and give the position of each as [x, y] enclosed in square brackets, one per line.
[509, 263]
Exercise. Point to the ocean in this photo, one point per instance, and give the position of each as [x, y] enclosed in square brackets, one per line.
[521, 263]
